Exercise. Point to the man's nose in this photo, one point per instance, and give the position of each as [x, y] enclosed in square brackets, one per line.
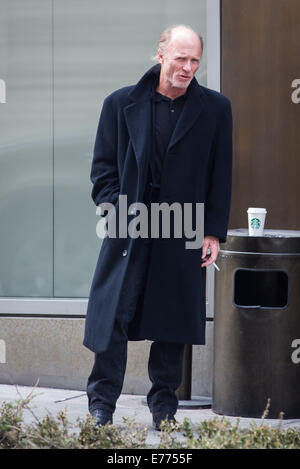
[187, 66]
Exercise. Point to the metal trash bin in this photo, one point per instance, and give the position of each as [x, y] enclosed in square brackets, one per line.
[257, 325]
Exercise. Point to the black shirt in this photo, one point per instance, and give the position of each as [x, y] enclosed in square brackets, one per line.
[165, 116]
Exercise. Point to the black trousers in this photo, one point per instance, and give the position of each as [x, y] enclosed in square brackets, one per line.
[106, 380]
[165, 359]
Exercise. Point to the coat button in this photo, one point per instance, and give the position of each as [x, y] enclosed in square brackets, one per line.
[124, 253]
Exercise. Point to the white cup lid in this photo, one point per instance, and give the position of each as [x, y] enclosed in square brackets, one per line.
[256, 210]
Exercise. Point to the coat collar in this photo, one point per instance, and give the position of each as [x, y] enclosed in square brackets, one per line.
[143, 89]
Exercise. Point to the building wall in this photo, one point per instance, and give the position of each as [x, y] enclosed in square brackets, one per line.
[49, 351]
[260, 74]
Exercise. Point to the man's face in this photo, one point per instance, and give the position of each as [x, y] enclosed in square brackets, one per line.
[180, 61]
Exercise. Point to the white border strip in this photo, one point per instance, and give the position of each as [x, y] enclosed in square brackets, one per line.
[213, 44]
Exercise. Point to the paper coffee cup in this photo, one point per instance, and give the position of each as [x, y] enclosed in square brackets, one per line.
[256, 221]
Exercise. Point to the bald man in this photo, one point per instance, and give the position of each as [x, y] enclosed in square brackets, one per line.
[164, 140]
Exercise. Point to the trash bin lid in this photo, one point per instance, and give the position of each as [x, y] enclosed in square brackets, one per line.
[278, 241]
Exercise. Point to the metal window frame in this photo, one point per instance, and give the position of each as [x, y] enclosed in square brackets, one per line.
[213, 45]
[53, 307]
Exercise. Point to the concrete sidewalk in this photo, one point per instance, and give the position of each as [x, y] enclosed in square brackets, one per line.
[49, 400]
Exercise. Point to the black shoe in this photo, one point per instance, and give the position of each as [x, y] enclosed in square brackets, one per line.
[159, 417]
[102, 417]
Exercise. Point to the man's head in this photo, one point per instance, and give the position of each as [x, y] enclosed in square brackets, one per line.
[179, 52]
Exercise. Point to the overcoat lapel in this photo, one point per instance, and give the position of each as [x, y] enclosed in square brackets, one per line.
[138, 120]
[192, 109]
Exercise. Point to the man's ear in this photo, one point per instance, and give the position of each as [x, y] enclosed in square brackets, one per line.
[160, 57]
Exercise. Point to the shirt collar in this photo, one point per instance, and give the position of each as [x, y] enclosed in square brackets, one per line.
[158, 97]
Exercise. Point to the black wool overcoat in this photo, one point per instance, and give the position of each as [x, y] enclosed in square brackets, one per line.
[197, 168]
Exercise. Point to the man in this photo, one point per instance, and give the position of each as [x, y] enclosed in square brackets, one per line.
[166, 139]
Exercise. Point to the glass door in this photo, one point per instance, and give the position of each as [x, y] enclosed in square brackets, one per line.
[26, 149]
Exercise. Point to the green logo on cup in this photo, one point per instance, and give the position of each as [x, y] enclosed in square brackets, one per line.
[255, 223]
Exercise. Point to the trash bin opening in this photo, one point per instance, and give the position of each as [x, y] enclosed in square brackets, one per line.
[260, 288]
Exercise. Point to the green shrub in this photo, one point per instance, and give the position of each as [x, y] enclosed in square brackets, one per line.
[57, 433]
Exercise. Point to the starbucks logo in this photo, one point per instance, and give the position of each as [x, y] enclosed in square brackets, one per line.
[255, 223]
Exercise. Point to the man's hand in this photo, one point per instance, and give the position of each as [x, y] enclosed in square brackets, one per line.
[212, 243]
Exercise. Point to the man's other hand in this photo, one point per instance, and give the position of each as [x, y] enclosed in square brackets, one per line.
[212, 244]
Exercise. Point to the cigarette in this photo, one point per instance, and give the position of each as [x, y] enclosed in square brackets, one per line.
[215, 265]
